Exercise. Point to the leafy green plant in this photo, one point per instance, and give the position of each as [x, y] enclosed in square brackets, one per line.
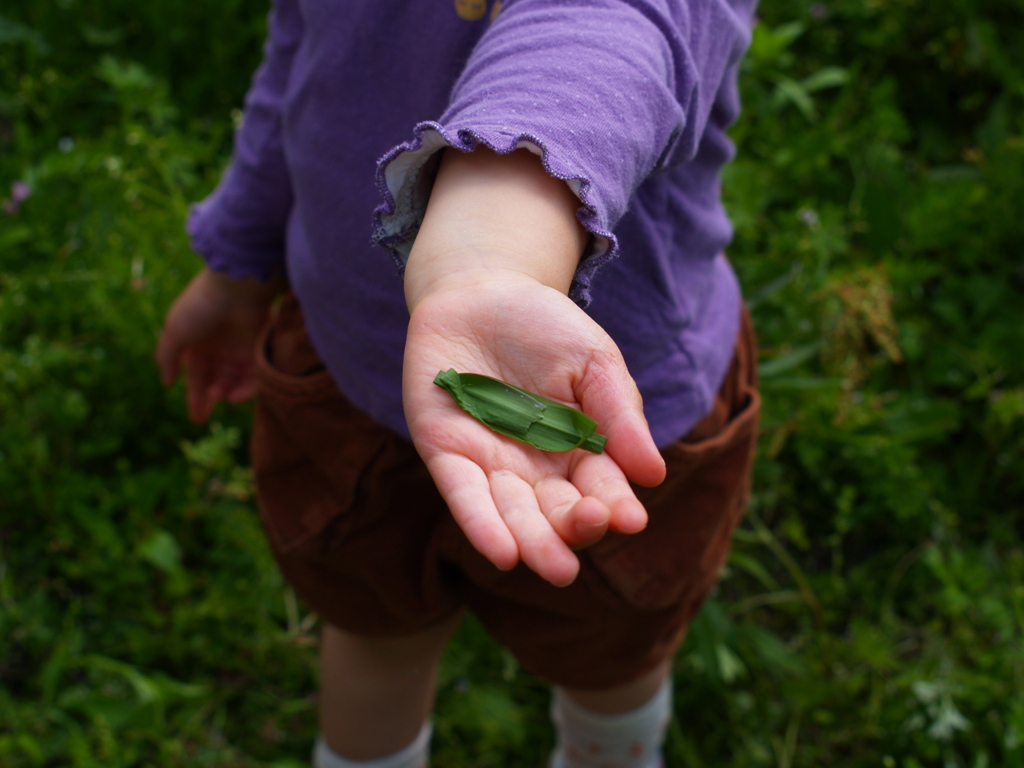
[872, 611]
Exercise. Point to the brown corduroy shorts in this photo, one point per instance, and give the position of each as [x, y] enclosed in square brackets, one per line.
[362, 534]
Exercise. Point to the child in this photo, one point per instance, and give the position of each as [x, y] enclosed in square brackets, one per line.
[573, 135]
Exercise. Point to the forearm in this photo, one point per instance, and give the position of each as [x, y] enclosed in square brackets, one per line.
[495, 217]
[486, 283]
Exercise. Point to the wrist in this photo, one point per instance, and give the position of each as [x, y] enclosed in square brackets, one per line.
[495, 219]
[472, 273]
[247, 289]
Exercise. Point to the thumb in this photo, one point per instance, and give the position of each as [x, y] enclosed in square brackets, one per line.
[610, 396]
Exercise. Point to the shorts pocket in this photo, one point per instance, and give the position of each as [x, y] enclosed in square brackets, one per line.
[676, 559]
[310, 446]
[692, 514]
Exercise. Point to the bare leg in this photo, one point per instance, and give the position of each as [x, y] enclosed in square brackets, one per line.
[622, 698]
[376, 693]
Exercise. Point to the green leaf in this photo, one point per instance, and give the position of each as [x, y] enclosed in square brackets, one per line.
[789, 90]
[827, 77]
[522, 415]
[752, 566]
[788, 361]
[161, 550]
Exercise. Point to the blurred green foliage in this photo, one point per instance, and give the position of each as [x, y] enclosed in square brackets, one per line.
[873, 609]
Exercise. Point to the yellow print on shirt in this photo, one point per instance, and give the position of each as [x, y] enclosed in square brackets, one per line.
[471, 10]
[474, 10]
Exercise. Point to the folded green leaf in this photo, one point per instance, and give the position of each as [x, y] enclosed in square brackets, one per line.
[522, 415]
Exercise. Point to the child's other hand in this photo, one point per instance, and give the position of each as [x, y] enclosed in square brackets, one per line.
[513, 501]
[211, 331]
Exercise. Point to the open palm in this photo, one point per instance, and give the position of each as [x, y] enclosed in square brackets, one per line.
[513, 501]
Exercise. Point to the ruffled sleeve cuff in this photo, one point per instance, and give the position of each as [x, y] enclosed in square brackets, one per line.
[405, 176]
[237, 251]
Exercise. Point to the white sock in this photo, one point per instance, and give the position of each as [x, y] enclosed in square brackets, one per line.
[631, 740]
[416, 755]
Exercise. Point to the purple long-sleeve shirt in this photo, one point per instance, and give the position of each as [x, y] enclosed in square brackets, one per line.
[627, 100]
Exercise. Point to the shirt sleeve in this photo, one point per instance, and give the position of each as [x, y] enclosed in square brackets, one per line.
[240, 228]
[606, 91]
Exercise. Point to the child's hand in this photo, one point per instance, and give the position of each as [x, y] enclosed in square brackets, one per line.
[212, 330]
[512, 500]
[486, 284]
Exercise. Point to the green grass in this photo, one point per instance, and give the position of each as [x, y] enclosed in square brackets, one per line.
[873, 610]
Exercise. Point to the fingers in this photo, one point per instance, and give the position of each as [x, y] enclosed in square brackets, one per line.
[634, 451]
[168, 355]
[541, 548]
[579, 520]
[210, 379]
[501, 517]
[610, 396]
[467, 491]
[514, 502]
[235, 382]
[198, 394]
[242, 391]
[209, 333]
[600, 478]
